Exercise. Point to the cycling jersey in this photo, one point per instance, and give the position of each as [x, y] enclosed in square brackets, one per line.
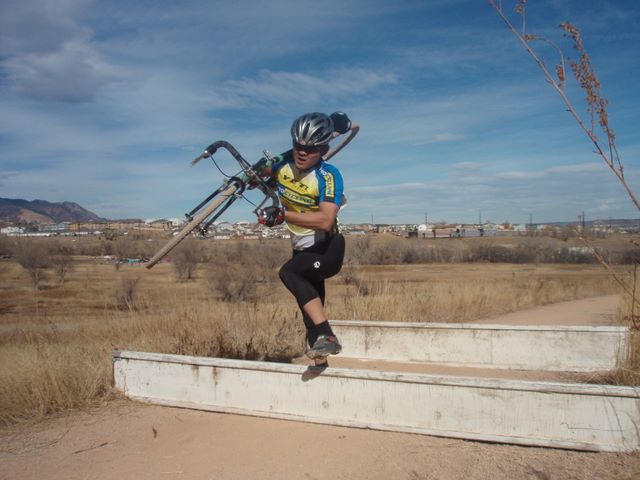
[303, 191]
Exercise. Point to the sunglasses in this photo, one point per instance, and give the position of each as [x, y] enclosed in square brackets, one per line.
[305, 148]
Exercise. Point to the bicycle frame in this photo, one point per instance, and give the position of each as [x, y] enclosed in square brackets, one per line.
[214, 205]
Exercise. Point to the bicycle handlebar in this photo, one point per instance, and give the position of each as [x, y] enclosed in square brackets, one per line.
[213, 148]
[249, 171]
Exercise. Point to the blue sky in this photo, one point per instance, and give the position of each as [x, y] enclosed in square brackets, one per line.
[105, 104]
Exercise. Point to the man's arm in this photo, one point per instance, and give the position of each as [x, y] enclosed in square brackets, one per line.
[266, 168]
[323, 219]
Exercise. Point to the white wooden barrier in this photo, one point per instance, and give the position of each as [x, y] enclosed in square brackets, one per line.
[566, 349]
[576, 416]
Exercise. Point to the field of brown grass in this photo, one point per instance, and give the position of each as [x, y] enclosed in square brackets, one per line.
[56, 341]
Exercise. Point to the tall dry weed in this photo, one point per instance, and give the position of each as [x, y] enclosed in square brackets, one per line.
[39, 378]
[57, 364]
[126, 295]
[459, 300]
[629, 372]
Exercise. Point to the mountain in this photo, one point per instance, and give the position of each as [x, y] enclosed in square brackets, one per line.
[41, 211]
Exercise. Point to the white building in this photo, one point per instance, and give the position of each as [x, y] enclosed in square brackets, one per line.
[12, 230]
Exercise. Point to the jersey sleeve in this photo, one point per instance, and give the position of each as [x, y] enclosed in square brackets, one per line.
[330, 185]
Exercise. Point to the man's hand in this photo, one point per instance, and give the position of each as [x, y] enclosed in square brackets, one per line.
[271, 216]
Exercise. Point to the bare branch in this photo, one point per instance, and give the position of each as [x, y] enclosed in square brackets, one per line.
[584, 74]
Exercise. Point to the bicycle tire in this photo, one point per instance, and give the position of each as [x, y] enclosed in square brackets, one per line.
[355, 128]
[191, 225]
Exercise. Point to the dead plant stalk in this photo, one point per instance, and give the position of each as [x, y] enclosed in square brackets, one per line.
[585, 75]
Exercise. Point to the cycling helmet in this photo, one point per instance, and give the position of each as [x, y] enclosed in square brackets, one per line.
[312, 129]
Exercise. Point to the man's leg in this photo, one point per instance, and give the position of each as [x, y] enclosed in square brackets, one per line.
[312, 331]
[304, 276]
[322, 340]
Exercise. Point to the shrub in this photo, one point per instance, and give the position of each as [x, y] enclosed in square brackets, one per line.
[62, 260]
[6, 246]
[233, 283]
[33, 257]
[186, 257]
[126, 294]
[352, 275]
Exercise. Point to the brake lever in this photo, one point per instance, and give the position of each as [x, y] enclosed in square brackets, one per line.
[208, 152]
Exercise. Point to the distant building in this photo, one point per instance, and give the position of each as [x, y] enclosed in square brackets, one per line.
[54, 227]
[12, 231]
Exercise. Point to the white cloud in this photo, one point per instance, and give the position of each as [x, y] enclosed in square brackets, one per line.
[441, 138]
[463, 167]
[287, 88]
[551, 194]
[5, 176]
[391, 187]
[560, 170]
[577, 168]
[447, 137]
[47, 55]
[38, 26]
[73, 73]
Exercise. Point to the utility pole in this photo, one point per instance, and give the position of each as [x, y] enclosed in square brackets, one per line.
[581, 220]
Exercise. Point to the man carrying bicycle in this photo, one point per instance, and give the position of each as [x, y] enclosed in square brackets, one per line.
[311, 194]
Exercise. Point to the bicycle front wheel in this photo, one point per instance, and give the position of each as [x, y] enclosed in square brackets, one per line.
[192, 224]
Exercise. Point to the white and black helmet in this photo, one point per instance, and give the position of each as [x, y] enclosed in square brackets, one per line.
[312, 129]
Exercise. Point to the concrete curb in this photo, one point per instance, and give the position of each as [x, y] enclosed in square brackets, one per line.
[563, 349]
[575, 416]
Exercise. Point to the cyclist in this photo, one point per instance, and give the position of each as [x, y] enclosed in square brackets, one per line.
[311, 194]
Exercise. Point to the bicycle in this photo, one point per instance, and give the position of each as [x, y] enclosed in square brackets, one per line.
[213, 206]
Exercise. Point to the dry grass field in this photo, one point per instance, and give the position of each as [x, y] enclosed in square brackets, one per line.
[56, 341]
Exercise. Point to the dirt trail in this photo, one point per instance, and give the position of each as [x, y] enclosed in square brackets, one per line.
[125, 440]
[589, 311]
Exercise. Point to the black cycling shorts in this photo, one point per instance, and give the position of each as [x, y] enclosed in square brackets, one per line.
[305, 272]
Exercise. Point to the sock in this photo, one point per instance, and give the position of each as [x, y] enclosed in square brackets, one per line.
[324, 328]
[312, 336]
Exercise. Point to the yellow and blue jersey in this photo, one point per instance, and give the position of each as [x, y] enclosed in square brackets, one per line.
[304, 191]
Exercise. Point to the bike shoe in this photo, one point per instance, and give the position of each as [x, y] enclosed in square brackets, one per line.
[325, 345]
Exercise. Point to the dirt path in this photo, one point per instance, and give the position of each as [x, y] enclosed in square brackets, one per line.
[589, 311]
[129, 441]
[125, 440]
